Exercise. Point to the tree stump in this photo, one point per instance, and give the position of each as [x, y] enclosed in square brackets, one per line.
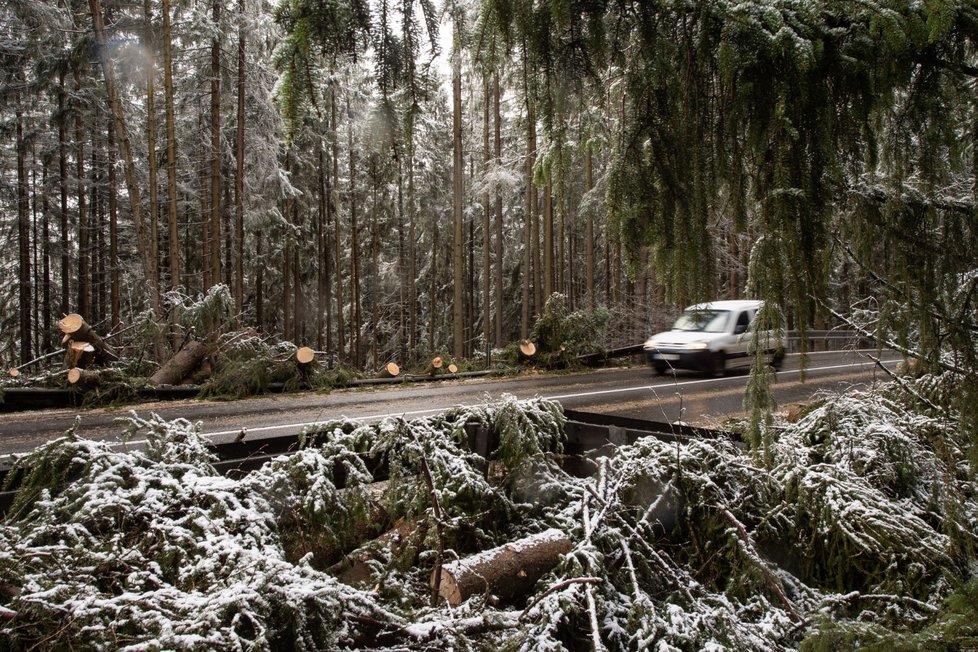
[508, 571]
[79, 354]
[435, 366]
[76, 329]
[82, 377]
[389, 370]
[182, 364]
[452, 368]
[528, 348]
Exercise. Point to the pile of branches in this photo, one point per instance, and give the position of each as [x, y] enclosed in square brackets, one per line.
[859, 532]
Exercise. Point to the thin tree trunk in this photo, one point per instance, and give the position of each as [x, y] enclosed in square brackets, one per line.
[412, 245]
[458, 303]
[287, 260]
[125, 148]
[96, 217]
[204, 197]
[322, 254]
[115, 291]
[84, 279]
[337, 240]
[486, 227]
[215, 149]
[46, 260]
[499, 213]
[150, 54]
[171, 151]
[239, 171]
[589, 245]
[354, 250]
[534, 200]
[63, 187]
[402, 267]
[548, 243]
[259, 282]
[23, 236]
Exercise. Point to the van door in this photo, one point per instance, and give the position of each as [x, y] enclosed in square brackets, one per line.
[737, 355]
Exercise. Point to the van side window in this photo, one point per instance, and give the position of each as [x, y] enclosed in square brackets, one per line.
[743, 321]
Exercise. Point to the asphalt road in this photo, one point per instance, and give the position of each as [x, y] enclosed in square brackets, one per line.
[634, 392]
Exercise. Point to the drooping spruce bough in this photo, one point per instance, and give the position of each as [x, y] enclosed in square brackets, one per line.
[860, 529]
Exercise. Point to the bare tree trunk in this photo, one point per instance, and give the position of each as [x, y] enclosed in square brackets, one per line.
[215, 149]
[63, 186]
[259, 282]
[589, 245]
[84, 278]
[402, 266]
[96, 219]
[115, 291]
[337, 240]
[354, 250]
[287, 261]
[171, 151]
[206, 243]
[23, 236]
[412, 245]
[322, 253]
[458, 266]
[126, 151]
[46, 261]
[239, 171]
[499, 213]
[486, 227]
[548, 243]
[150, 54]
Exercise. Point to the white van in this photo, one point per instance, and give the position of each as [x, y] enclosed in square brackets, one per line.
[712, 337]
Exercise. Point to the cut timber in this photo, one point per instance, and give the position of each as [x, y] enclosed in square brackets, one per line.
[14, 372]
[435, 366]
[528, 348]
[390, 370]
[182, 364]
[508, 571]
[76, 329]
[304, 356]
[82, 377]
[453, 368]
[79, 354]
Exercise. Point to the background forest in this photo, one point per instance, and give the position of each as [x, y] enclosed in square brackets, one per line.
[391, 179]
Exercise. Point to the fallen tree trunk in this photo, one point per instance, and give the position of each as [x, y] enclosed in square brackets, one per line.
[508, 571]
[82, 377]
[182, 364]
[76, 329]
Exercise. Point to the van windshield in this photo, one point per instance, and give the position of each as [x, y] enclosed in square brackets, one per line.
[707, 321]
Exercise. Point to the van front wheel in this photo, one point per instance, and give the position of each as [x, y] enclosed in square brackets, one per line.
[717, 364]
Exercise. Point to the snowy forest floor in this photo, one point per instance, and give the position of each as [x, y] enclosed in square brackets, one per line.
[852, 527]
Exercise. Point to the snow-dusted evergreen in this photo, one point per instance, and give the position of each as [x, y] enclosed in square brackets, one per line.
[858, 531]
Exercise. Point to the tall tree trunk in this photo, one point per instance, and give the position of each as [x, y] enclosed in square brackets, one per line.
[259, 282]
[95, 219]
[46, 260]
[499, 212]
[486, 225]
[23, 236]
[402, 267]
[125, 150]
[589, 244]
[239, 148]
[287, 260]
[548, 243]
[412, 244]
[84, 278]
[154, 227]
[322, 252]
[337, 240]
[171, 151]
[63, 187]
[215, 149]
[458, 261]
[115, 291]
[354, 249]
[203, 169]
[534, 202]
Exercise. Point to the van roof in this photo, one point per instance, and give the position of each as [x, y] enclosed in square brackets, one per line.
[739, 304]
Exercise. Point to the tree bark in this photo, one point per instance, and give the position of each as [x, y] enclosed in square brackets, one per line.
[171, 151]
[23, 236]
[182, 364]
[508, 571]
[150, 54]
[486, 227]
[239, 151]
[337, 240]
[84, 278]
[115, 291]
[499, 212]
[589, 245]
[63, 187]
[458, 266]
[354, 249]
[215, 148]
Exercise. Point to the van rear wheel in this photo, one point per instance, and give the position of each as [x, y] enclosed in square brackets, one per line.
[660, 368]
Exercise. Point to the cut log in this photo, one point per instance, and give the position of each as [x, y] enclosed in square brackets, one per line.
[528, 348]
[453, 368]
[389, 370]
[304, 356]
[508, 571]
[435, 366]
[76, 329]
[14, 372]
[182, 364]
[79, 354]
[82, 377]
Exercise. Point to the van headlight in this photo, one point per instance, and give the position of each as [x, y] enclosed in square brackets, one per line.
[699, 346]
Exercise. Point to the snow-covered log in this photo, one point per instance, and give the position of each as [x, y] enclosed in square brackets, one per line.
[508, 571]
